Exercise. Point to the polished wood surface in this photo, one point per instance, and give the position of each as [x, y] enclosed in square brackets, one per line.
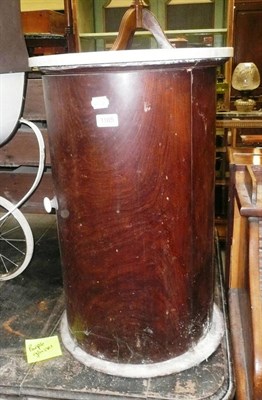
[242, 354]
[241, 156]
[251, 140]
[43, 21]
[245, 290]
[135, 214]
[255, 278]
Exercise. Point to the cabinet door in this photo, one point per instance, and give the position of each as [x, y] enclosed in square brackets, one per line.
[248, 34]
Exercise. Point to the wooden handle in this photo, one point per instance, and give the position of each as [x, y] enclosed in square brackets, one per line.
[139, 17]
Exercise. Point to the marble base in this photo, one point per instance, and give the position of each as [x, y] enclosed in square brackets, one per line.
[200, 352]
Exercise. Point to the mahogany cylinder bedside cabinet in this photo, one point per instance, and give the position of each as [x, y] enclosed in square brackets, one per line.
[132, 141]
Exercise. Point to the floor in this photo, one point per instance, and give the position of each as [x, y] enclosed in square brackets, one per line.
[31, 306]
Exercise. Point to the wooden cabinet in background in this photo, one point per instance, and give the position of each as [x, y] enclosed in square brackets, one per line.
[46, 30]
[97, 21]
[247, 36]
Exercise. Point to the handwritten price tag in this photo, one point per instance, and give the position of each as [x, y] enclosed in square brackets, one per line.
[42, 349]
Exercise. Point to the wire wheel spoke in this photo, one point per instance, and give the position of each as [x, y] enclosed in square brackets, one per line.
[8, 239]
[16, 242]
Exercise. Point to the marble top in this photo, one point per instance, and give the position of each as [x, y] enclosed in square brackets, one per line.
[132, 57]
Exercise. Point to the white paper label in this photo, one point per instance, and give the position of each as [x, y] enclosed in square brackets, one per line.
[100, 102]
[107, 120]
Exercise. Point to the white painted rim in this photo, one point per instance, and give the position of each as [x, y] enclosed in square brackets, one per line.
[148, 56]
[28, 238]
[200, 352]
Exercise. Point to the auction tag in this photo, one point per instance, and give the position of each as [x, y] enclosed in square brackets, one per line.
[107, 120]
[42, 349]
[100, 102]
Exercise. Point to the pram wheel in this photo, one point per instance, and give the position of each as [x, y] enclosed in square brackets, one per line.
[16, 241]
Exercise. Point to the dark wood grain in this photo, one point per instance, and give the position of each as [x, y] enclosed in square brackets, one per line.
[135, 214]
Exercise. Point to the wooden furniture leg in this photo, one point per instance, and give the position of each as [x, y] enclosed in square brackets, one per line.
[255, 282]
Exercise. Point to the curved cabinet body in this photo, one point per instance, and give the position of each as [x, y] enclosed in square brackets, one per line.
[133, 154]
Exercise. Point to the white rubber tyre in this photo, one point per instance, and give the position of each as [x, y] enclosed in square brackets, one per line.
[16, 242]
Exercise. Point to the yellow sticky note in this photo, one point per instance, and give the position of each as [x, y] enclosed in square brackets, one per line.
[42, 349]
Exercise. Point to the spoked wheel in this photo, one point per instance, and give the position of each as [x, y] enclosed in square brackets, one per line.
[16, 241]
